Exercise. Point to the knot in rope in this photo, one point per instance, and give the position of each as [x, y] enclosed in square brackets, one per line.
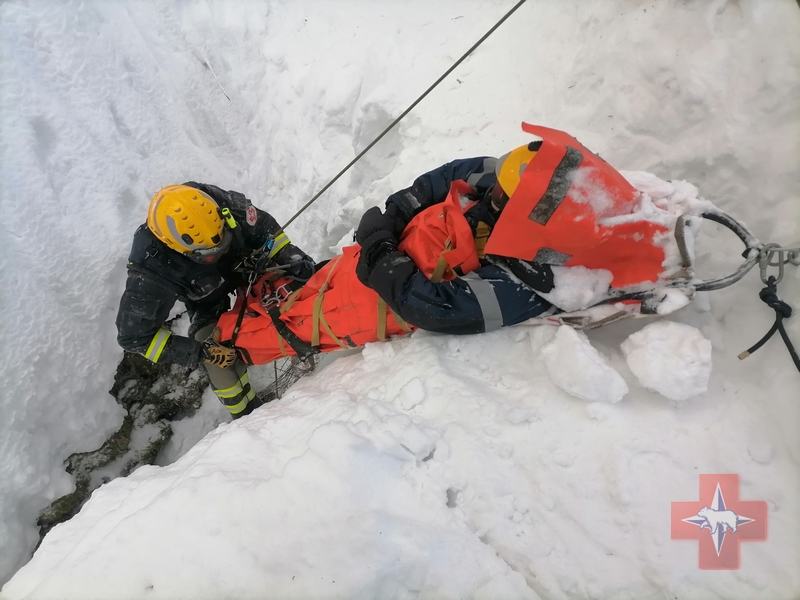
[769, 295]
[782, 311]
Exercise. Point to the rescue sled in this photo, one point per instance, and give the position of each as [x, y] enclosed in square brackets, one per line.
[616, 252]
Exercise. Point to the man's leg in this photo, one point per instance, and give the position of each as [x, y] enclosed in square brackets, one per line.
[231, 385]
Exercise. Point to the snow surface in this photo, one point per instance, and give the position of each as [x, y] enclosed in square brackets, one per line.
[426, 467]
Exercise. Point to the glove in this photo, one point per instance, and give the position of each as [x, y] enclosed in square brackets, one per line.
[374, 222]
[303, 269]
[220, 356]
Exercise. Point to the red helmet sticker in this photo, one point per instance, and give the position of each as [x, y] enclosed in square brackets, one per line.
[252, 215]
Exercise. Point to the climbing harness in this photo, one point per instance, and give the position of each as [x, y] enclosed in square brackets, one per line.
[252, 277]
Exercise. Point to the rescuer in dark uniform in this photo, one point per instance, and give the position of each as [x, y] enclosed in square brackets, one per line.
[200, 243]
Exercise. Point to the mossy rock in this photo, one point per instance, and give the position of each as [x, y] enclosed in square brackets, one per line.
[151, 394]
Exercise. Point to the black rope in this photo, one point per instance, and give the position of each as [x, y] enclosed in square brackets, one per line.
[404, 113]
[769, 295]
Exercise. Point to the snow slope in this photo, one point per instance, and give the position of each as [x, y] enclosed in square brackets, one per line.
[432, 466]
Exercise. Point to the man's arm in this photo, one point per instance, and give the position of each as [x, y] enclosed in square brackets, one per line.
[433, 187]
[143, 309]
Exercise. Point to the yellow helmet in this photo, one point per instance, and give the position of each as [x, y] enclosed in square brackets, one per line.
[188, 221]
[510, 166]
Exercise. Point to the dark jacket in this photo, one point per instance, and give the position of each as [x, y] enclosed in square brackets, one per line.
[492, 296]
[158, 276]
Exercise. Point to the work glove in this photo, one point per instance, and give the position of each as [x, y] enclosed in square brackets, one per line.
[374, 221]
[302, 268]
[375, 234]
[214, 354]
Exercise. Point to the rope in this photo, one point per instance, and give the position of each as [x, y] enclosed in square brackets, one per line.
[404, 113]
[769, 295]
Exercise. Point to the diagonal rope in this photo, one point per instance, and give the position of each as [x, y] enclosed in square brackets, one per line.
[405, 112]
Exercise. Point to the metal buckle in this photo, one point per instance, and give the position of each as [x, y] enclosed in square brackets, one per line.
[278, 296]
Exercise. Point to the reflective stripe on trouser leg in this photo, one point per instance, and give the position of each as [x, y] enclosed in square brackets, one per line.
[157, 345]
[231, 385]
[487, 299]
[235, 397]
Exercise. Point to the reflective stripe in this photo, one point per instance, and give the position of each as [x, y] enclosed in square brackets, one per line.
[488, 166]
[487, 299]
[237, 397]
[230, 392]
[236, 389]
[157, 345]
[237, 408]
[278, 243]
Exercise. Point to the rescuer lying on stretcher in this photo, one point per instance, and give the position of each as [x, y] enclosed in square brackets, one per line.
[470, 247]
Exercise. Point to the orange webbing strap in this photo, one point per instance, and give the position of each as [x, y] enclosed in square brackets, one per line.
[482, 232]
[442, 265]
[318, 318]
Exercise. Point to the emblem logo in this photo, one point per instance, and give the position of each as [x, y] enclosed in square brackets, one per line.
[251, 215]
[719, 521]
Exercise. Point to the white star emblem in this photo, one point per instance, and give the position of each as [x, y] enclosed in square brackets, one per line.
[720, 530]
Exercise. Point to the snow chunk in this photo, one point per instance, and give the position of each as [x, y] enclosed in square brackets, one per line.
[671, 358]
[575, 288]
[673, 300]
[412, 393]
[579, 369]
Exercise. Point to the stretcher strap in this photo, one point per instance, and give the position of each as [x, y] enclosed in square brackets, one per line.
[403, 325]
[290, 300]
[318, 318]
[383, 309]
[442, 265]
[381, 320]
[284, 307]
[281, 344]
[301, 347]
[482, 232]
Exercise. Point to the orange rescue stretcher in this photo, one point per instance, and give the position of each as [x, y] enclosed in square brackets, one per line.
[549, 214]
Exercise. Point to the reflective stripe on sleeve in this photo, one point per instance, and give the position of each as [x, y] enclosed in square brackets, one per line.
[280, 241]
[157, 345]
[487, 299]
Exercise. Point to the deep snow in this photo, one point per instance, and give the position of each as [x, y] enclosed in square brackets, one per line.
[431, 466]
